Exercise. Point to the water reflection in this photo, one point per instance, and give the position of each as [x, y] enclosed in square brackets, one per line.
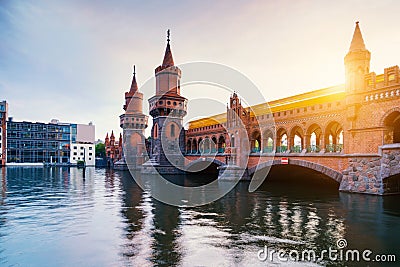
[54, 216]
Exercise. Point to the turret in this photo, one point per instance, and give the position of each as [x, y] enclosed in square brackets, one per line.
[112, 139]
[107, 141]
[356, 63]
[168, 76]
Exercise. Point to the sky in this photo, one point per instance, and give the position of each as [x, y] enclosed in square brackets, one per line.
[72, 60]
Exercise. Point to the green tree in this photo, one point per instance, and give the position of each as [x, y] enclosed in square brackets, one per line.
[100, 150]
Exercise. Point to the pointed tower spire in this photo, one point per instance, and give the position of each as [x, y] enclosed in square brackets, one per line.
[168, 60]
[356, 63]
[357, 43]
[112, 134]
[107, 141]
[134, 86]
[120, 140]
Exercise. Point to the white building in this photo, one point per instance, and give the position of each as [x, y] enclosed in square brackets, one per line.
[83, 144]
[82, 152]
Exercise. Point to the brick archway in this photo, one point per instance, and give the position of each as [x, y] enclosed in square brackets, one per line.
[387, 113]
[331, 173]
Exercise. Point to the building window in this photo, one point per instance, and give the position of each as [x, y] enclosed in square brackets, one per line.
[82, 147]
[75, 147]
[90, 158]
[90, 148]
[81, 153]
[75, 154]
[73, 158]
[90, 154]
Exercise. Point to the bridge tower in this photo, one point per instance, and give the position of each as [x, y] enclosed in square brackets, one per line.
[133, 122]
[167, 107]
[357, 63]
[238, 119]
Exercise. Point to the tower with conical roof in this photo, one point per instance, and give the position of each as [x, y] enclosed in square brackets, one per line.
[167, 107]
[356, 63]
[133, 122]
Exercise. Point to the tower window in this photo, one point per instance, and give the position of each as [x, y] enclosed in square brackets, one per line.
[155, 131]
[172, 130]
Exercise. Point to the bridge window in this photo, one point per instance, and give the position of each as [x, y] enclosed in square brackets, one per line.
[313, 139]
[281, 141]
[284, 140]
[155, 131]
[314, 133]
[334, 137]
[194, 146]
[296, 139]
[268, 141]
[221, 144]
[392, 128]
[213, 144]
[340, 138]
[256, 141]
[206, 145]
[201, 145]
[189, 146]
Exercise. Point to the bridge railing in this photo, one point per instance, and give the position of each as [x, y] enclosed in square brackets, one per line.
[295, 149]
[281, 149]
[334, 148]
[268, 149]
[313, 148]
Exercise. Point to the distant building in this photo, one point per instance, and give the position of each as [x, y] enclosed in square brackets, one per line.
[54, 142]
[113, 149]
[3, 132]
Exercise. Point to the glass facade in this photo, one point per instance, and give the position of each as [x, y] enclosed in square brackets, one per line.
[29, 142]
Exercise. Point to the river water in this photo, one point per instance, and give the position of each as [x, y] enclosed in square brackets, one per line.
[63, 217]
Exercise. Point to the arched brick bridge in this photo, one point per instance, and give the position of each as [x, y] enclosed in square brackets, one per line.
[349, 132]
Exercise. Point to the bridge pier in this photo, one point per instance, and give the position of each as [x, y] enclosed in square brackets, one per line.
[371, 175]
